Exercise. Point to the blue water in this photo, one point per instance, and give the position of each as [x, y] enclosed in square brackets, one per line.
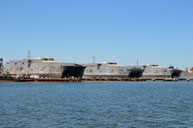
[96, 105]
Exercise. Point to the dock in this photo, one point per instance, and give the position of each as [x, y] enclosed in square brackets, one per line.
[137, 79]
[64, 80]
[50, 80]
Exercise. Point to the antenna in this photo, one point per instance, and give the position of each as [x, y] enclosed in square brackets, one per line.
[93, 60]
[186, 69]
[74, 59]
[28, 55]
[137, 62]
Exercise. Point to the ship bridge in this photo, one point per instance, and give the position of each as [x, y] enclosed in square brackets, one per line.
[109, 62]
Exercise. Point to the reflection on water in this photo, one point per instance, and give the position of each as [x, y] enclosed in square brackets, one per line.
[96, 105]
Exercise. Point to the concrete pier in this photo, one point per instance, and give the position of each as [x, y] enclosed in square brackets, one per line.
[136, 79]
[42, 80]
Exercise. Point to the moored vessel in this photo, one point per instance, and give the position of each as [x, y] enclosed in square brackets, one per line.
[111, 70]
[187, 74]
[156, 71]
[42, 68]
[1, 67]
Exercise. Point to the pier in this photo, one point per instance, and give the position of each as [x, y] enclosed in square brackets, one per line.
[137, 79]
[50, 80]
[63, 80]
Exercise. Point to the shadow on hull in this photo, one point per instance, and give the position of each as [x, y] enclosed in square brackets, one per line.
[135, 73]
[73, 71]
[176, 73]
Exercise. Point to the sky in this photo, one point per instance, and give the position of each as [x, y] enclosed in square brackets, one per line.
[122, 31]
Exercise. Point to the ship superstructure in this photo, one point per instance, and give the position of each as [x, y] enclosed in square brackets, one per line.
[43, 68]
[111, 70]
[156, 71]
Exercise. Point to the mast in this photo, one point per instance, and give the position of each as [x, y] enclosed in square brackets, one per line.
[74, 59]
[137, 63]
[28, 55]
[93, 60]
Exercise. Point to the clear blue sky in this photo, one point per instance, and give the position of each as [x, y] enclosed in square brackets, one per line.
[153, 31]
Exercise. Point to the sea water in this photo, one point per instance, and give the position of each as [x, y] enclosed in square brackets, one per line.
[96, 105]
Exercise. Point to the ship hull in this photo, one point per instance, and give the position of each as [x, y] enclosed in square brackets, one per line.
[186, 76]
[161, 73]
[111, 71]
[37, 68]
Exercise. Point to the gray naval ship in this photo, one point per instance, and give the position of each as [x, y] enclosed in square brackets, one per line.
[1, 67]
[43, 68]
[156, 71]
[111, 70]
[188, 74]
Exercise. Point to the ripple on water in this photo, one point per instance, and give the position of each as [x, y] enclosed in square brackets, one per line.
[94, 105]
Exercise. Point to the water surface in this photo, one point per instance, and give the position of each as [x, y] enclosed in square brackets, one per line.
[96, 105]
